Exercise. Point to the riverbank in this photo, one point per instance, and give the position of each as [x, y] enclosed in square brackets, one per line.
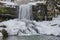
[38, 37]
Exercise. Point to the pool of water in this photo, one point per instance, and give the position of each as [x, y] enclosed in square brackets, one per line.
[40, 37]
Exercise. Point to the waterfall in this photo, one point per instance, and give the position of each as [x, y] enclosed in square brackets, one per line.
[32, 0]
[25, 11]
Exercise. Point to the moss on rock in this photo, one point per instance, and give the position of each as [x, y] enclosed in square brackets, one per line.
[4, 32]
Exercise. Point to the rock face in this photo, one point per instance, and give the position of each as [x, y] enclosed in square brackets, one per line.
[39, 11]
[45, 11]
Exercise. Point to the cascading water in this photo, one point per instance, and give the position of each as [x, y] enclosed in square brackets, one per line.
[25, 12]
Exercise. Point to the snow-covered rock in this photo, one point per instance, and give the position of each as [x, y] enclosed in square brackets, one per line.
[13, 26]
[22, 27]
[1, 34]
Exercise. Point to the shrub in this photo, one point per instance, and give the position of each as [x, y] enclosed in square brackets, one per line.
[39, 12]
[7, 13]
[7, 10]
[4, 32]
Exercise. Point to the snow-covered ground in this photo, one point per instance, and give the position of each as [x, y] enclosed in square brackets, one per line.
[1, 34]
[27, 27]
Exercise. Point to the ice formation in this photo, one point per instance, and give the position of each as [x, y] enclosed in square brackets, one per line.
[27, 27]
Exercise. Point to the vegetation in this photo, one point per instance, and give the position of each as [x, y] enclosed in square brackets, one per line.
[6, 10]
[4, 32]
[47, 11]
[39, 12]
[54, 0]
[7, 13]
[57, 0]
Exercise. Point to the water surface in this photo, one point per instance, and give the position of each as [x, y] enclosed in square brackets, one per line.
[40, 37]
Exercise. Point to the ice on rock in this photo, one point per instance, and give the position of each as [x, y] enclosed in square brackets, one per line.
[1, 34]
[13, 26]
[46, 27]
[28, 27]
[32, 31]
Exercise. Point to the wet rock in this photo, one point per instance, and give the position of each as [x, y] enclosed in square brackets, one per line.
[3, 26]
[35, 29]
[58, 35]
[54, 25]
[52, 34]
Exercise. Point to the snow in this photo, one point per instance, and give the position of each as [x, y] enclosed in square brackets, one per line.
[8, 3]
[30, 27]
[11, 3]
[34, 3]
[13, 26]
[1, 34]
